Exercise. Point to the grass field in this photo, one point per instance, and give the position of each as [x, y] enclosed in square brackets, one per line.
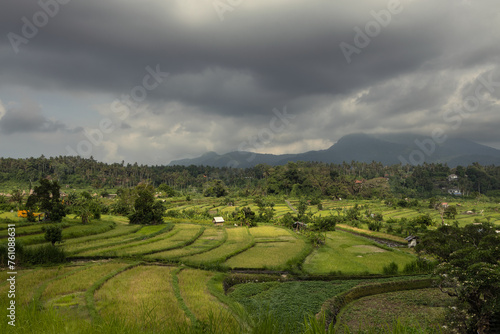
[238, 239]
[186, 234]
[425, 307]
[203, 305]
[144, 294]
[168, 285]
[288, 301]
[350, 254]
[211, 238]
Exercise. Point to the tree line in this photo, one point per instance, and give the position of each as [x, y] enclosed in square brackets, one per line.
[354, 179]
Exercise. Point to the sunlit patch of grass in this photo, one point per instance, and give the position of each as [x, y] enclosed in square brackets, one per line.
[375, 234]
[270, 255]
[137, 240]
[194, 291]
[73, 231]
[116, 232]
[268, 232]
[143, 294]
[211, 237]
[80, 281]
[341, 252]
[238, 238]
[121, 233]
[186, 232]
[27, 283]
[150, 229]
[92, 246]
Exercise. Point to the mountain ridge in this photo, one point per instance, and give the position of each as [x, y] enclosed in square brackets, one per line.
[388, 149]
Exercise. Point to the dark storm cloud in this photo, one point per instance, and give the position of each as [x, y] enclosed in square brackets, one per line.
[28, 118]
[263, 55]
[285, 51]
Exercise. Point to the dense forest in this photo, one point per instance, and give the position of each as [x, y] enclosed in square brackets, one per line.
[354, 179]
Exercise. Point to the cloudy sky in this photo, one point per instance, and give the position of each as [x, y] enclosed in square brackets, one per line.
[155, 80]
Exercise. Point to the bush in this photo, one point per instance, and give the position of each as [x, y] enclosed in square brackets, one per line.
[173, 213]
[45, 254]
[419, 266]
[146, 209]
[374, 226]
[326, 223]
[287, 220]
[315, 238]
[53, 234]
[391, 269]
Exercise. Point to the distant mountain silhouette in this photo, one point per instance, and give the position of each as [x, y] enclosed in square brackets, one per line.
[388, 149]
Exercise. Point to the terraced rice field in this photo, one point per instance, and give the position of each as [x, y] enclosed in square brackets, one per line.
[140, 238]
[238, 239]
[273, 248]
[350, 254]
[153, 277]
[186, 234]
[137, 291]
[212, 237]
[193, 289]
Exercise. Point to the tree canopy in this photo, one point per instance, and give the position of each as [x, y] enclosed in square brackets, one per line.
[146, 209]
[469, 269]
[47, 198]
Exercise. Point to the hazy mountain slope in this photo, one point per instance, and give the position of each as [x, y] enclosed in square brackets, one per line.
[385, 148]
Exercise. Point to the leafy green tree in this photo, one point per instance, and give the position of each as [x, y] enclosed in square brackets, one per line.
[168, 190]
[287, 220]
[265, 209]
[469, 270]
[326, 223]
[47, 198]
[86, 209]
[247, 216]
[423, 220]
[71, 198]
[124, 203]
[353, 213]
[216, 189]
[53, 234]
[450, 212]
[17, 197]
[146, 209]
[301, 208]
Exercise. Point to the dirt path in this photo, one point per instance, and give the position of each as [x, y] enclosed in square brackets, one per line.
[290, 206]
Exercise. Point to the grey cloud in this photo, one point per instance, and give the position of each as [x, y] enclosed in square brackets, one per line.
[28, 118]
[262, 56]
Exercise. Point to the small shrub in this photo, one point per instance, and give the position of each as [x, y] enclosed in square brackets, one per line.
[173, 213]
[44, 254]
[419, 266]
[53, 234]
[391, 269]
[375, 226]
[390, 229]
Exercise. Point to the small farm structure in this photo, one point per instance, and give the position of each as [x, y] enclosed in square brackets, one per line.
[218, 221]
[299, 225]
[412, 240]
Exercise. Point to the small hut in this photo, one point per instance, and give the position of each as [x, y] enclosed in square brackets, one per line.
[218, 221]
[412, 240]
[299, 226]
